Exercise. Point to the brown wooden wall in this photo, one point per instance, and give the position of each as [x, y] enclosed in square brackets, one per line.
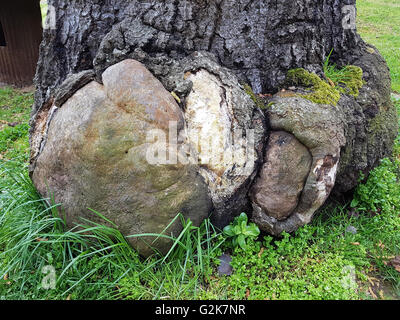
[21, 22]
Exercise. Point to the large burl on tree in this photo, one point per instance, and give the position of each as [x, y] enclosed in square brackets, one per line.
[230, 99]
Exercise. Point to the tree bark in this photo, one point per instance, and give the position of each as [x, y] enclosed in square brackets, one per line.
[258, 40]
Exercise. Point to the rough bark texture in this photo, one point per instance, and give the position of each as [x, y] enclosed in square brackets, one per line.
[255, 42]
[259, 40]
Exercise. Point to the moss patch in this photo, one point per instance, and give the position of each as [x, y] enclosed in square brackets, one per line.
[348, 80]
[353, 81]
[256, 99]
[321, 91]
[345, 81]
[381, 128]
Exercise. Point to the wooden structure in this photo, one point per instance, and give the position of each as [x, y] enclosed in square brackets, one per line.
[20, 37]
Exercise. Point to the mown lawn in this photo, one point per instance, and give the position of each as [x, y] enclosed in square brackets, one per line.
[343, 254]
[379, 24]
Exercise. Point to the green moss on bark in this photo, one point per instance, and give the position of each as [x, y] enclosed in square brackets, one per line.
[321, 91]
[345, 81]
[256, 99]
[348, 80]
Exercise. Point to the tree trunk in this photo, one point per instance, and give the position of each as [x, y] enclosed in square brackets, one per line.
[258, 40]
[254, 42]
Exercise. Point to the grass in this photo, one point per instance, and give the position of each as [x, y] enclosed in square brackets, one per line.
[14, 128]
[346, 253]
[379, 24]
[321, 261]
[348, 80]
[90, 261]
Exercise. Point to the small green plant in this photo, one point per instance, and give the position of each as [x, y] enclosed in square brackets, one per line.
[347, 80]
[240, 231]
